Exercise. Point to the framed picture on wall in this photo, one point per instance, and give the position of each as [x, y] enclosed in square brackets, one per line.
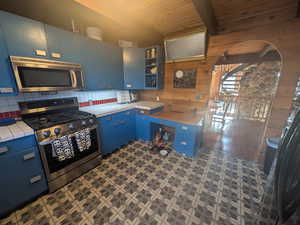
[185, 78]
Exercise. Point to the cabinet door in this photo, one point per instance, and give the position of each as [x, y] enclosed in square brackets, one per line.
[109, 134]
[24, 37]
[130, 126]
[127, 126]
[143, 127]
[111, 62]
[7, 81]
[102, 64]
[134, 68]
[22, 179]
[62, 45]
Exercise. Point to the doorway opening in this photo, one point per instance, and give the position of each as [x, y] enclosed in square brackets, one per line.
[244, 83]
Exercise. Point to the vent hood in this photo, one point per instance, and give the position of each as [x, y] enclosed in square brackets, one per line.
[186, 48]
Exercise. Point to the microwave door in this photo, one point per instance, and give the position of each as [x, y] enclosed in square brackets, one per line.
[46, 75]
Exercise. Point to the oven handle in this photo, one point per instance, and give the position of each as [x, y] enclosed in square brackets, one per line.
[49, 141]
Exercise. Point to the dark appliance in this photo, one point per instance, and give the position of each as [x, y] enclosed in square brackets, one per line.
[55, 118]
[35, 74]
[282, 191]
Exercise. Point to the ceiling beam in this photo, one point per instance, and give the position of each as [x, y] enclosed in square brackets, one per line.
[249, 58]
[298, 9]
[206, 13]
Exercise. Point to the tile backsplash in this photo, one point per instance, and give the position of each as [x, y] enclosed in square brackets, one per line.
[10, 103]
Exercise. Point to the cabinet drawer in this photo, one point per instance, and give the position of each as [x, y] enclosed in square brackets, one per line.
[14, 146]
[185, 144]
[27, 161]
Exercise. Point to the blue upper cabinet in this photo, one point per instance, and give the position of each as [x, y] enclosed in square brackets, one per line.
[134, 68]
[24, 37]
[143, 68]
[111, 62]
[7, 82]
[102, 64]
[62, 45]
[154, 68]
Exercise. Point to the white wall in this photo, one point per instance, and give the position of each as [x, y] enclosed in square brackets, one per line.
[10, 104]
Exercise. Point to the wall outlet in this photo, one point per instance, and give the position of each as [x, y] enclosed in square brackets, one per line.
[157, 98]
[198, 97]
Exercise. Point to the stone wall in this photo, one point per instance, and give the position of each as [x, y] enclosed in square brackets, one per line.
[260, 80]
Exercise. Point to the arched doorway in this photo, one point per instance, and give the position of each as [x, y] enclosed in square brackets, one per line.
[244, 83]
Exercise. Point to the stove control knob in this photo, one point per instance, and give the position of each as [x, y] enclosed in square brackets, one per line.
[46, 133]
[91, 121]
[57, 131]
[83, 122]
[71, 126]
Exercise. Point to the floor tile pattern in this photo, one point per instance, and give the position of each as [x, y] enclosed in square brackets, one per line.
[135, 186]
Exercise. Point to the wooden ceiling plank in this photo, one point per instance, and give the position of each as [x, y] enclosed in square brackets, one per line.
[206, 13]
[298, 9]
[249, 58]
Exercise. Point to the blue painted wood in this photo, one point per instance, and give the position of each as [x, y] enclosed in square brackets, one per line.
[15, 145]
[63, 42]
[16, 178]
[143, 127]
[102, 64]
[23, 35]
[159, 63]
[6, 75]
[116, 130]
[134, 68]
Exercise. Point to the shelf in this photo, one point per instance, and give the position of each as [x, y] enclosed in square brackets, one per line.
[151, 65]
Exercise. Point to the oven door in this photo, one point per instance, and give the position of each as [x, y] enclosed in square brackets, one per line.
[55, 168]
[46, 75]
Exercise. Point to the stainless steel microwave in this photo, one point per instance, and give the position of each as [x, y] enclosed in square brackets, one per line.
[35, 74]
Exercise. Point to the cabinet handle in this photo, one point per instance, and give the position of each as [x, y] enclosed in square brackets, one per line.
[35, 179]
[3, 150]
[56, 55]
[40, 52]
[184, 128]
[183, 143]
[129, 85]
[29, 156]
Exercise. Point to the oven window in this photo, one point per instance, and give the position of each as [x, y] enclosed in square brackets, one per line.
[54, 165]
[41, 77]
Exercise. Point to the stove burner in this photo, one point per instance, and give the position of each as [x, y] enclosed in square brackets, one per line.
[44, 120]
[52, 119]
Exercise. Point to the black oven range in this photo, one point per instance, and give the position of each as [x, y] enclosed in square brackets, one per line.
[68, 138]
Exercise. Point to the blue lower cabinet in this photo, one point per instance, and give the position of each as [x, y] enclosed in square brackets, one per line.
[22, 177]
[143, 127]
[187, 139]
[116, 130]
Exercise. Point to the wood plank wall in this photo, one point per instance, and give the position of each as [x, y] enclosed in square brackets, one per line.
[285, 36]
[183, 97]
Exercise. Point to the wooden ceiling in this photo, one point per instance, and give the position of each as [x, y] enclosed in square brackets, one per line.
[247, 47]
[167, 17]
[235, 15]
[164, 16]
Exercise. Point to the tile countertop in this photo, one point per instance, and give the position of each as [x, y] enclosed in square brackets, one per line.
[17, 130]
[100, 111]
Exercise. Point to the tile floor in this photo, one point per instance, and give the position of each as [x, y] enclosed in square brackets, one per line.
[136, 186]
